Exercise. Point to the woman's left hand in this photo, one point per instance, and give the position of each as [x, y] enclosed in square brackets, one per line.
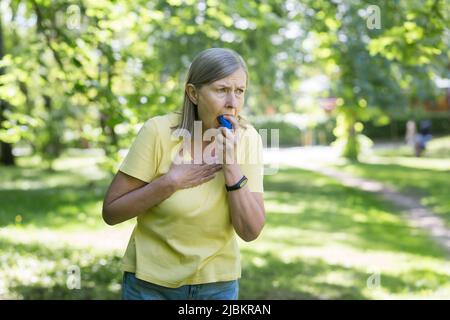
[227, 141]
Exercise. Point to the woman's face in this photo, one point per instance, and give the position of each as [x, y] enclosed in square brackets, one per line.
[224, 96]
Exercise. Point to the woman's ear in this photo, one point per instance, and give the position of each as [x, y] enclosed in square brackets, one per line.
[192, 93]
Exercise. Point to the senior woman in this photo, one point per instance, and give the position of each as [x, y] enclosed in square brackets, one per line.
[188, 212]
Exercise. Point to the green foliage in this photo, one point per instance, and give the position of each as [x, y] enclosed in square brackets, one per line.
[295, 129]
[289, 135]
[395, 129]
[91, 71]
[88, 72]
[387, 68]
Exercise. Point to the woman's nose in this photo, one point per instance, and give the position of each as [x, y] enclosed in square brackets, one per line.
[231, 100]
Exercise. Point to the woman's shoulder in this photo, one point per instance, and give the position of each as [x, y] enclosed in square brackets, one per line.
[247, 129]
[160, 127]
[163, 123]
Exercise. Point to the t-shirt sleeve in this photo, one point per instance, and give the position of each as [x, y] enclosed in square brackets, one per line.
[252, 165]
[141, 160]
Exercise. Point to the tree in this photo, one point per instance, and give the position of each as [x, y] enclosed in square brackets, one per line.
[375, 70]
[87, 73]
[6, 154]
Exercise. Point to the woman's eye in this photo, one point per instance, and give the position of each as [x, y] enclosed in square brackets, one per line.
[240, 91]
[222, 90]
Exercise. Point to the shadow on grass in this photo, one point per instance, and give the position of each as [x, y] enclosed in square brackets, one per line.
[431, 186]
[320, 204]
[271, 278]
[415, 280]
[100, 275]
[56, 199]
[299, 201]
[34, 271]
[53, 207]
[265, 276]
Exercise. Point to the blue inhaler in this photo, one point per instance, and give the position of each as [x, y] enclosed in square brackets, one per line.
[224, 122]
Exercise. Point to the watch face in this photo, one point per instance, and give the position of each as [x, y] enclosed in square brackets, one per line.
[243, 183]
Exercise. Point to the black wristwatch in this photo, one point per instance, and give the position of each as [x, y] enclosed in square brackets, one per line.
[241, 183]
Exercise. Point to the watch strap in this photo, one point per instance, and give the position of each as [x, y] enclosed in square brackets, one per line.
[238, 185]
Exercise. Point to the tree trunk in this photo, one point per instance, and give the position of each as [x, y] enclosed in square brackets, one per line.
[351, 145]
[6, 154]
[52, 148]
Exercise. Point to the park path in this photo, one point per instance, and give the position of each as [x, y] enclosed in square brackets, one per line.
[317, 158]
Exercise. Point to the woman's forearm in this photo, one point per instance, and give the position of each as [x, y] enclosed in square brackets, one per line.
[138, 201]
[247, 214]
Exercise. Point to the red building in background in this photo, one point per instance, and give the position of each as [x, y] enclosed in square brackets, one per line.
[442, 103]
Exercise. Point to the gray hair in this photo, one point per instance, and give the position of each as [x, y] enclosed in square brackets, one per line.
[208, 66]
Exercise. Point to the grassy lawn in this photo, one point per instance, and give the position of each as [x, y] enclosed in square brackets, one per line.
[324, 240]
[425, 178]
[438, 147]
[321, 240]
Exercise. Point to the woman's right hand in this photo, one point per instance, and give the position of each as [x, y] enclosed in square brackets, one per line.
[188, 175]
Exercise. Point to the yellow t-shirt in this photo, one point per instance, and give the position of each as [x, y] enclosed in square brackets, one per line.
[188, 238]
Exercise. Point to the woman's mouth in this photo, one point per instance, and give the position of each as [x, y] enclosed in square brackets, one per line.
[222, 121]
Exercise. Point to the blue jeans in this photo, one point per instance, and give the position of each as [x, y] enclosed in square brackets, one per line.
[137, 289]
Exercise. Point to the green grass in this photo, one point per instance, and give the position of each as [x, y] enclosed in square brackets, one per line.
[321, 241]
[425, 179]
[62, 199]
[37, 271]
[50, 221]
